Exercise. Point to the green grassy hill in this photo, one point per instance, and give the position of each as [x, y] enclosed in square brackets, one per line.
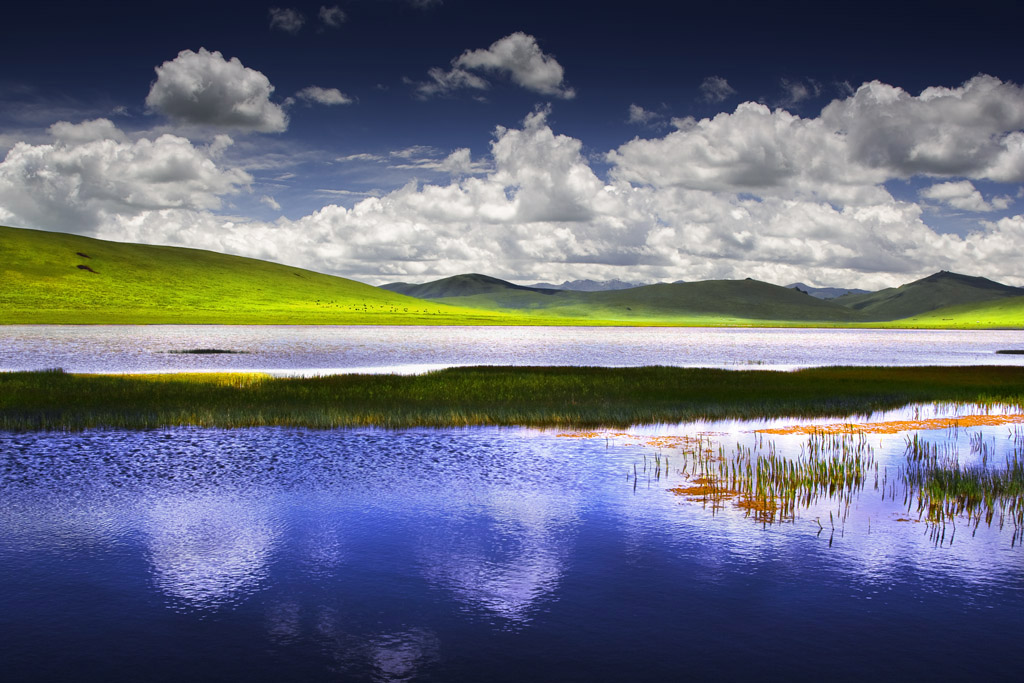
[998, 313]
[927, 294]
[709, 302]
[460, 285]
[48, 277]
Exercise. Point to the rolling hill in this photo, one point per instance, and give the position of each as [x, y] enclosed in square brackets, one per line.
[48, 277]
[460, 285]
[711, 301]
[1002, 312]
[927, 294]
[825, 292]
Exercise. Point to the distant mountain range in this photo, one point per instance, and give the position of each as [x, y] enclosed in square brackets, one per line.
[741, 299]
[590, 285]
[825, 292]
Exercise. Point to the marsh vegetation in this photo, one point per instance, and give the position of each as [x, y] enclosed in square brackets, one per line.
[564, 397]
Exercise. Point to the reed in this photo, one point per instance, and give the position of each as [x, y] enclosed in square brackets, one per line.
[946, 490]
[560, 397]
[770, 487]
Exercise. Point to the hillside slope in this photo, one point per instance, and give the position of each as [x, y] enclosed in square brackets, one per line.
[48, 277]
[712, 301]
[468, 284]
[1005, 312]
[927, 294]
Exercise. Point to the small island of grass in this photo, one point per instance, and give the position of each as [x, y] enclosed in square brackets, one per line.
[562, 397]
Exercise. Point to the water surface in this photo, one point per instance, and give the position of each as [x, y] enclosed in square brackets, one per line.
[476, 554]
[283, 349]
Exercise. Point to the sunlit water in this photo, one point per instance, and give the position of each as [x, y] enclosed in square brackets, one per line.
[283, 349]
[477, 554]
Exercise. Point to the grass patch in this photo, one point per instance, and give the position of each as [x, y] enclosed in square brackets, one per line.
[206, 352]
[564, 397]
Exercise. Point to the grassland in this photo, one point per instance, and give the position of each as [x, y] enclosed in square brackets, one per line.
[565, 397]
[1000, 313]
[712, 302]
[58, 278]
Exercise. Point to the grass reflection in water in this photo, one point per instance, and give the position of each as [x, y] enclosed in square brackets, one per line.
[774, 485]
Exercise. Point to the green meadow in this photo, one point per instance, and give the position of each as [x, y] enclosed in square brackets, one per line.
[561, 397]
[56, 278]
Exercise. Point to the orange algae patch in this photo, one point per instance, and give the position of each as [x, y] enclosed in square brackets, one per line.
[899, 425]
[666, 442]
[704, 487]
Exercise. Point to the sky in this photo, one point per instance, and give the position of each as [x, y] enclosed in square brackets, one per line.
[850, 144]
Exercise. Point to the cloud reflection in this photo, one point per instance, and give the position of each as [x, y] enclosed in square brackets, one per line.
[208, 551]
[506, 560]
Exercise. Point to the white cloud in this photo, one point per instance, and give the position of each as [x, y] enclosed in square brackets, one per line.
[877, 134]
[271, 202]
[328, 96]
[287, 20]
[963, 195]
[517, 56]
[753, 149]
[642, 117]
[716, 89]
[751, 193]
[442, 82]
[86, 131]
[798, 91]
[91, 174]
[973, 131]
[203, 88]
[331, 16]
[362, 156]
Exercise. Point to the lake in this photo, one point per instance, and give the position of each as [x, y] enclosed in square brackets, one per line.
[307, 350]
[493, 554]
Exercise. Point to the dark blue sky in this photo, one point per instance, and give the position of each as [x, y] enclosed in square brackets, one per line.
[593, 76]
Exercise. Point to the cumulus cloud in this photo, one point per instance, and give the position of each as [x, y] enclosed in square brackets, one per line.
[517, 56]
[878, 133]
[91, 174]
[86, 131]
[542, 212]
[331, 16]
[971, 131]
[328, 96]
[715, 89]
[287, 20]
[749, 193]
[753, 149]
[203, 88]
[963, 195]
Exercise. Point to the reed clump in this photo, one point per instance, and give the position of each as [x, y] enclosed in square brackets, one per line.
[945, 490]
[772, 488]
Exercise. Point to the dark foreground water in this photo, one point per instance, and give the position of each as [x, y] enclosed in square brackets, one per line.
[497, 555]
